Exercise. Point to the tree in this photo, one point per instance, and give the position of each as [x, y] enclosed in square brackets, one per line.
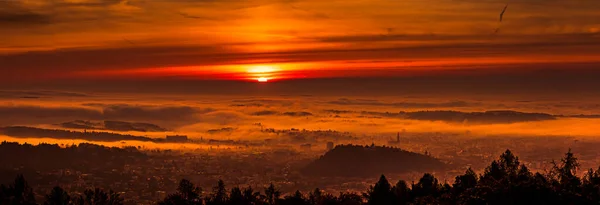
[58, 196]
[566, 172]
[509, 164]
[20, 192]
[250, 196]
[381, 193]
[317, 197]
[465, 182]
[272, 195]
[236, 197]
[426, 190]
[566, 182]
[187, 194]
[98, 196]
[524, 175]
[296, 199]
[219, 194]
[427, 186]
[402, 192]
[591, 186]
[350, 199]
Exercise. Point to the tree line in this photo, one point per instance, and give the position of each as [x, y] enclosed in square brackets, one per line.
[504, 181]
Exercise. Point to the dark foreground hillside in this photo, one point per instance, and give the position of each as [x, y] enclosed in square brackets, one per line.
[360, 161]
[504, 181]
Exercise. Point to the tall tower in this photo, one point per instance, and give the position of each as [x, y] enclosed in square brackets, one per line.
[398, 138]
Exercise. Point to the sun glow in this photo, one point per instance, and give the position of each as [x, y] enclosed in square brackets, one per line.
[261, 73]
[261, 69]
[262, 79]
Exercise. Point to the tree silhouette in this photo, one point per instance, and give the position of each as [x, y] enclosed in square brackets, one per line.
[564, 177]
[98, 196]
[272, 195]
[236, 197]
[402, 193]
[591, 186]
[426, 190]
[58, 196]
[296, 199]
[317, 197]
[509, 163]
[381, 193]
[250, 196]
[350, 199]
[219, 194]
[187, 194]
[20, 192]
[465, 182]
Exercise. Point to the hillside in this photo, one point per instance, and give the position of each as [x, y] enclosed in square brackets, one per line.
[33, 132]
[364, 161]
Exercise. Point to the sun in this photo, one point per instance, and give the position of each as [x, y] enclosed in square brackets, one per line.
[262, 73]
[262, 80]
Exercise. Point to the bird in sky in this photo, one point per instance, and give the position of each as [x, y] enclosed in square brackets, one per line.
[502, 13]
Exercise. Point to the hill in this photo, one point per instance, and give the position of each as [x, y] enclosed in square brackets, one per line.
[33, 132]
[47, 157]
[487, 117]
[364, 161]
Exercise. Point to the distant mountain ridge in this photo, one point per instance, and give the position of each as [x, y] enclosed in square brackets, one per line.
[113, 125]
[33, 132]
[487, 117]
[364, 161]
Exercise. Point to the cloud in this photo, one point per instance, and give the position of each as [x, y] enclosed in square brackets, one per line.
[297, 114]
[345, 101]
[171, 116]
[13, 13]
[265, 102]
[39, 94]
[338, 111]
[121, 126]
[15, 115]
[132, 126]
[222, 117]
[162, 113]
[450, 116]
[247, 105]
[80, 124]
[121, 62]
[20, 14]
[265, 113]
[289, 113]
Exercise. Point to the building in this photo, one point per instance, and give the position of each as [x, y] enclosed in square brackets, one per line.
[177, 138]
[329, 146]
[397, 141]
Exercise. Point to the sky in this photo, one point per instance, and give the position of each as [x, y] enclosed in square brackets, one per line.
[276, 40]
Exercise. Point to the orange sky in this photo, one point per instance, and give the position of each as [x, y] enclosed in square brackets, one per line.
[292, 38]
